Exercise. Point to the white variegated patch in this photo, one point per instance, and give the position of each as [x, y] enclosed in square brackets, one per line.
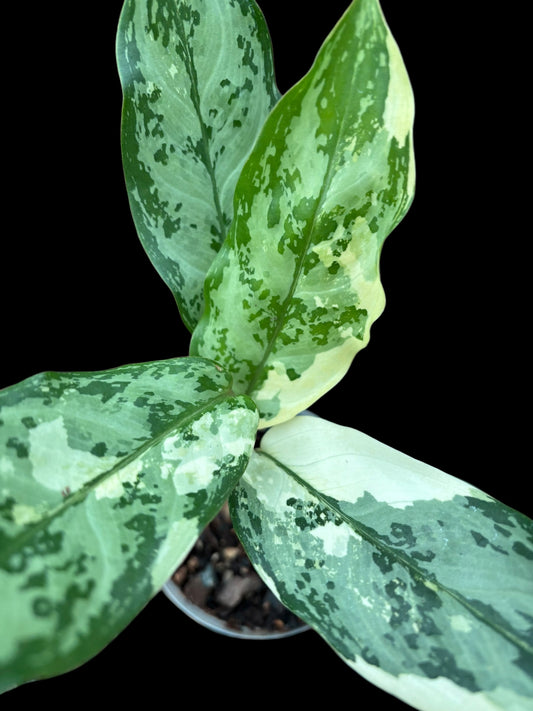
[112, 487]
[345, 463]
[440, 694]
[58, 464]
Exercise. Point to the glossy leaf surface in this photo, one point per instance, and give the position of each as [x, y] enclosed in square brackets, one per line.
[106, 479]
[295, 288]
[420, 582]
[198, 83]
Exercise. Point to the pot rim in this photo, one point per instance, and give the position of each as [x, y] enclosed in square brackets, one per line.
[174, 593]
[215, 624]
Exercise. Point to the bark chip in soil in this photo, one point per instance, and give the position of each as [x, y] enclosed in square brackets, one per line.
[218, 577]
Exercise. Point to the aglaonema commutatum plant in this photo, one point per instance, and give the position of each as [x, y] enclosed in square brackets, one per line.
[265, 215]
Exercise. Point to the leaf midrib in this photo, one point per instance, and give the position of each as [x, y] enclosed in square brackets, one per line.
[205, 143]
[282, 318]
[405, 561]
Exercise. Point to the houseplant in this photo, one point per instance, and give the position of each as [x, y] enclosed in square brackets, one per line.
[68, 493]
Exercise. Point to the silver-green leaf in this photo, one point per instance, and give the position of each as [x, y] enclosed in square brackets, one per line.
[295, 288]
[198, 83]
[106, 479]
[420, 582]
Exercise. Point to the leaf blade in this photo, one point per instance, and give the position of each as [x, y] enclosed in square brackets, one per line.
[330, 176]
[107, 478]
[420, 582]
[198, 82]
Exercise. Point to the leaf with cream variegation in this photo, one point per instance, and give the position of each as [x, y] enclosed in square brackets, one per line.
[198, 83]
[106, 480]
[420, 582]
[295, 288]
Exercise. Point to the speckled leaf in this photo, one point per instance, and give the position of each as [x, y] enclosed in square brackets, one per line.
[105, 481]
[198, 83]
[420, 582]
[295, 288]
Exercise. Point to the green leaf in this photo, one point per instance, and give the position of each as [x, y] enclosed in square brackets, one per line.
[106, 479]
[198, 83]
[295, 288]
[420, 582]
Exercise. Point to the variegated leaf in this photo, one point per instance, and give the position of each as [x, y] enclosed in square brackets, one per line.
[295, 288]
[420, 582]
[106, 479]
[198, 83]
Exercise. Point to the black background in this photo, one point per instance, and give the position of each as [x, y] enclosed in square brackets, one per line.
[443, 379]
